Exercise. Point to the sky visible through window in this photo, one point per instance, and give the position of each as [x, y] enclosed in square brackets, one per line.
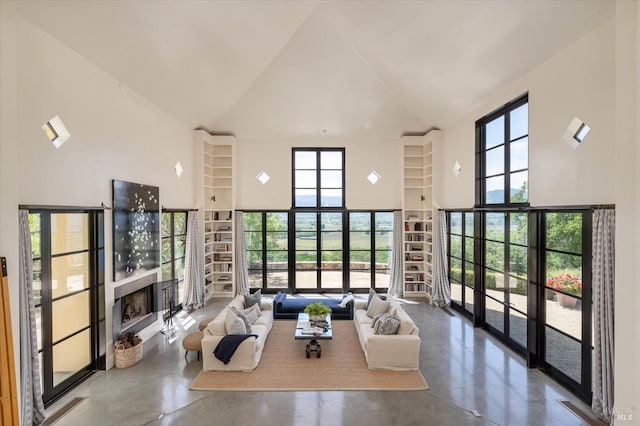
[496, 139]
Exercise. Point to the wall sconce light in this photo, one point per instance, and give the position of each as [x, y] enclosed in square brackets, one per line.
[56, 131]
[263, 177]
[178, 168]
[457, 169]
[373, 177]
[576, 132]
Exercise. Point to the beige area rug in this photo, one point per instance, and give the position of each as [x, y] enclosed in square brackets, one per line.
[284, 366]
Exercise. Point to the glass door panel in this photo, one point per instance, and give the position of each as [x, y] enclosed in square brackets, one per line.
[70, 356]
[567, 325]
[69, 315]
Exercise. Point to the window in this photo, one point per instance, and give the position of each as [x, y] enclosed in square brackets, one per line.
[370, 242]
[174, 238]
[266, 239]
[502, 159]
[318, 177]
[460, 256]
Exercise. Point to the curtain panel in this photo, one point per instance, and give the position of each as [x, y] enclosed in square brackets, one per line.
[441, 295]
[603, 311]
[32, 408]
[395, 282]
[242, 272]
[194, 286]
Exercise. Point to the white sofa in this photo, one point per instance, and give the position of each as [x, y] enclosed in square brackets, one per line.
[395, 352]
[248, 354]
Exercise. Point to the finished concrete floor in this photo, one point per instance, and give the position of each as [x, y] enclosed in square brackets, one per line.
[466, 369]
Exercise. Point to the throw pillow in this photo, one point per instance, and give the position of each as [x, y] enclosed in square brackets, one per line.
[243, 316]
[372, 293]
[387, 325]
[377, 307]
[253, 299]
[348, 298]
[234, 324]
[252, 313]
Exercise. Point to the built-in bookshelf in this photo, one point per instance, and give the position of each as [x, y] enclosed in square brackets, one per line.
[418, 217]
[217, 204]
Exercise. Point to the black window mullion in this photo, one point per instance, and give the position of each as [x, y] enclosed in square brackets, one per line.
[46, 302]
[264, 249]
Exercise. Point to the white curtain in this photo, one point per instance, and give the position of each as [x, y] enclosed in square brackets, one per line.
[603, 311]
[242, 271]
[32, 409]
[441, 295]
[194, 291]
[395, 280]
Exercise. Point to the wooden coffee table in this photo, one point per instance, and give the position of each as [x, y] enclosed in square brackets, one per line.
[304, 332]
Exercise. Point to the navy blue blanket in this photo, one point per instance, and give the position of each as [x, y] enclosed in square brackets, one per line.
[228, 345]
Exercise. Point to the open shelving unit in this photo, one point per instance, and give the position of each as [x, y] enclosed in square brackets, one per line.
[417, 214]
[218, 210]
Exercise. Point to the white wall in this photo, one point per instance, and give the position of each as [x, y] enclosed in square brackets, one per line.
[274, 157]
[8, 165]
[115, 134]
[579, 81]
[627, 198]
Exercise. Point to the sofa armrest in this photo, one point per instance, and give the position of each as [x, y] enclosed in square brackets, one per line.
[393, 352]
[244, 359]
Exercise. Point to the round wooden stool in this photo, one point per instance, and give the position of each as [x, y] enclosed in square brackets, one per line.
[193, 342]
[204, 323]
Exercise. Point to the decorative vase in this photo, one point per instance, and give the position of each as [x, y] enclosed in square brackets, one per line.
[317, 318]
[567, 301]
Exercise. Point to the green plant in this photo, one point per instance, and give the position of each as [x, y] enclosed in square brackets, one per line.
[566, 283]
[317, 309]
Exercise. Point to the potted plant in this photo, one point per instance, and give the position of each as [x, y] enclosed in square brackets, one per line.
[317, 311]
[568, 287]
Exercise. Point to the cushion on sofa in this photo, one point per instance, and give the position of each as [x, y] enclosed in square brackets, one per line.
[216, 327]
[237, 302]
[407, 326]
[388, 324]
[360, 317]
[253, 299]
[377, 306]
[251, 314]
[234, 324]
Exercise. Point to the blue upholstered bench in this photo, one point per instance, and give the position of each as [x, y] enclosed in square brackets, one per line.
[289, 307]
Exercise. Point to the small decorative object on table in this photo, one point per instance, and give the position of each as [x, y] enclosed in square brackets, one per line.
[128, 350]
[317, 312]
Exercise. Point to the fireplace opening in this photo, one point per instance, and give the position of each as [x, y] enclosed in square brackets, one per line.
[136, 307]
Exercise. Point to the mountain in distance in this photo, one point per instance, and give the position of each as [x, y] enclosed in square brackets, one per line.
[497, 195]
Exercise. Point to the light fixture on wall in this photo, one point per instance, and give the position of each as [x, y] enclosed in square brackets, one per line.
[56, 131]
[457, 168]
[373, 177]
[263, 177]
[576, 132]
[178, 168]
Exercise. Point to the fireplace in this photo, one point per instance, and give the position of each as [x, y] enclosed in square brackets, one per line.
[136, 305]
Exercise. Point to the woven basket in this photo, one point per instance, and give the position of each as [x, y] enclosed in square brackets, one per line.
[126, 357]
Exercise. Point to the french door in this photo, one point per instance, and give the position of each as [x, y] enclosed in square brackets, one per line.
[68, 275]
[505, 265]
[319, 251]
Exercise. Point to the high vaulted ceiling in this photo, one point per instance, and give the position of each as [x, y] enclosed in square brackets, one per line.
[268, 69]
